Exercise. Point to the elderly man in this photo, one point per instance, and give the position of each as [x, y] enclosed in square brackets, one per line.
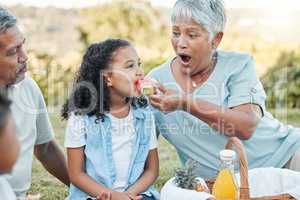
[29, 112]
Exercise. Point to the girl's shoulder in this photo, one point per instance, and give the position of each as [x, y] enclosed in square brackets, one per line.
[75, 119]
[81, 119]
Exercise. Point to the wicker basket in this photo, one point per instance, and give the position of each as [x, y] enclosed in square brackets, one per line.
[244, 189]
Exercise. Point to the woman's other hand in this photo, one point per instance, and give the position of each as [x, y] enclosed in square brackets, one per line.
[134, 197]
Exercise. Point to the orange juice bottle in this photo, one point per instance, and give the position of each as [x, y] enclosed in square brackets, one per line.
[225, 187]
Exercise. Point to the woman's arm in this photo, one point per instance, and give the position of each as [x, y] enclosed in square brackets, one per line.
[240, 121]
[148, 177]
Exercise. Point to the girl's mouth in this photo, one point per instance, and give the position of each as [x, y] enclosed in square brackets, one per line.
[138, 84]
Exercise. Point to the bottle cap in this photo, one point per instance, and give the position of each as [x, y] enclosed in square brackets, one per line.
[227, 155]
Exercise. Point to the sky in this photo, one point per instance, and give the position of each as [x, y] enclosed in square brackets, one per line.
[265, 4]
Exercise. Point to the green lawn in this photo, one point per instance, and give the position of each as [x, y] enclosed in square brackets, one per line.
[51, 189]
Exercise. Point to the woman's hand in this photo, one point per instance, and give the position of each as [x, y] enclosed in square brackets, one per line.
[168, 101]
[134, 197]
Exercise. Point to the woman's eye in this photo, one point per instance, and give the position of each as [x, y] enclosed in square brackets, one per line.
[193, 35]
[176, 34]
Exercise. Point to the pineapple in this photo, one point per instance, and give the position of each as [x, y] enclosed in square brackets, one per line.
[185, 177]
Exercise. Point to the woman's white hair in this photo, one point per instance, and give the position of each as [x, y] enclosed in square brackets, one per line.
[210, 14]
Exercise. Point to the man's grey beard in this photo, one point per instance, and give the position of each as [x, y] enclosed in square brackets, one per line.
[19, 78]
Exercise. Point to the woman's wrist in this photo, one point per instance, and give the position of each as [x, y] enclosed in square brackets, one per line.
[186, 100]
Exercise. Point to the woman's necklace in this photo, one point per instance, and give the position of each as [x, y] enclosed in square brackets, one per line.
[194, 84]
[206, 73]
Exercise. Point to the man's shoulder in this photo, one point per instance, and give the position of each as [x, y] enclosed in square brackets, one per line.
[28, 84]
[27, 89]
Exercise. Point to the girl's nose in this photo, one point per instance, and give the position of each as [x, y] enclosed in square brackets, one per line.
[140, 73]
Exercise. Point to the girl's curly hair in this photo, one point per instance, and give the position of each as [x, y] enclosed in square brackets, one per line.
[90, 93]
[4, 108]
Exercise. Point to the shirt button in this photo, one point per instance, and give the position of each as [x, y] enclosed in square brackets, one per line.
[253, 90]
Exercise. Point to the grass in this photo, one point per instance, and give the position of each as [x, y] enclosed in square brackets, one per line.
[51, 189]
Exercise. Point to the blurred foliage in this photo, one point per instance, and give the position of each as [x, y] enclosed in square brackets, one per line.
[148, 29]
[52, 77]
[135, 20]
[282, 81]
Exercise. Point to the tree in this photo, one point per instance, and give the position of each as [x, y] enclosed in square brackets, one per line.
[52, 77]
[282, 81]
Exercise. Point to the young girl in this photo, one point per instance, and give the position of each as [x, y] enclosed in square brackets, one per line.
[110, 136]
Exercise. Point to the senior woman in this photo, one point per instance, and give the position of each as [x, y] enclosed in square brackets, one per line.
[209, 95]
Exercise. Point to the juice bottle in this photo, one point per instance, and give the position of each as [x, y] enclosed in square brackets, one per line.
[225, 186]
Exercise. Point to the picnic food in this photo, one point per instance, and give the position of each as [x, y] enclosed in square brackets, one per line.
[200, 188]
[186, 178]
[146, 86]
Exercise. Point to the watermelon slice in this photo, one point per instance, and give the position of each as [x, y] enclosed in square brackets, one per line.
[146, 86]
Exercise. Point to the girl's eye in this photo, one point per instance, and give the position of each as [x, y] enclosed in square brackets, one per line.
[137, 65]
[131, 66]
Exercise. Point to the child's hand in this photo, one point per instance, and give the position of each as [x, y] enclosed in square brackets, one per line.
[119, 196]
[105, 195]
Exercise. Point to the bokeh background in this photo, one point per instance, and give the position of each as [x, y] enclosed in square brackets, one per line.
[58, 32]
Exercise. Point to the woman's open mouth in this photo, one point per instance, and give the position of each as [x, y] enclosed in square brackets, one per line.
[185, 59]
